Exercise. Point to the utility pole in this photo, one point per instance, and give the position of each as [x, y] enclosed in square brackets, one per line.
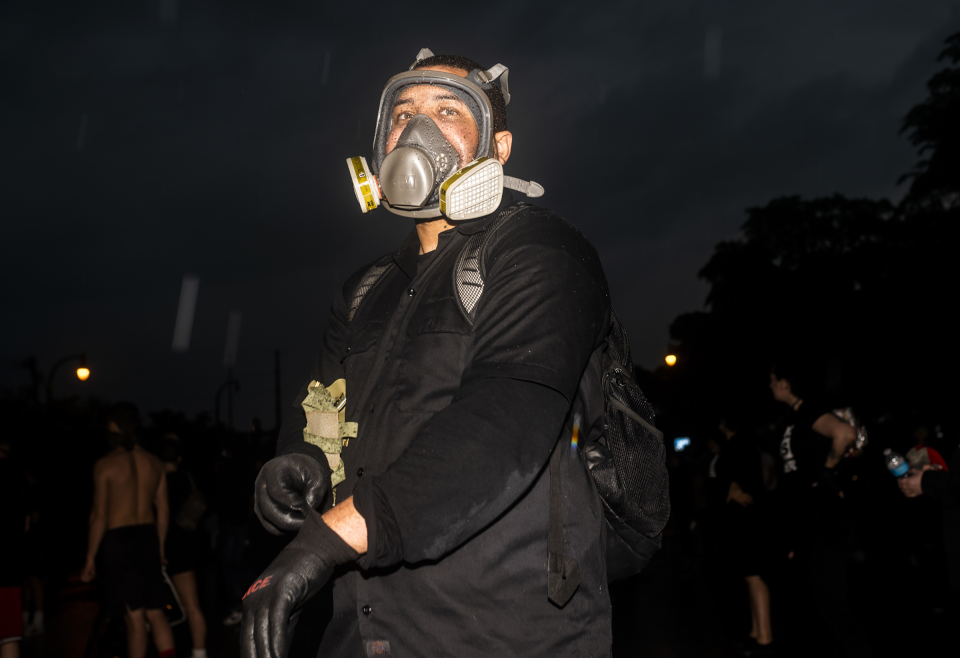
[232, 385]
[276, 389]
[230, 397]
[30, 364]
[230, 360]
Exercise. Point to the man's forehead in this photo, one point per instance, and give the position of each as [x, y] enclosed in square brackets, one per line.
[426, 92]
[430, 91]
[446, 69]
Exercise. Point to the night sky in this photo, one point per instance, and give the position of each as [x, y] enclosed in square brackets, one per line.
[145, 140]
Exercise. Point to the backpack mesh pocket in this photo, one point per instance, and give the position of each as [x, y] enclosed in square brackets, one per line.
[639, 494]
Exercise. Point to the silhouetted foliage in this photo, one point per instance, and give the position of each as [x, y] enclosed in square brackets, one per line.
[934, 127]
[858, 289]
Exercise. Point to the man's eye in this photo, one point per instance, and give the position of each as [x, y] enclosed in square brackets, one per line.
[449, 112]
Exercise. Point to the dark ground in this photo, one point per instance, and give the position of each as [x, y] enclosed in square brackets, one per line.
[682, 605]
[671, 610]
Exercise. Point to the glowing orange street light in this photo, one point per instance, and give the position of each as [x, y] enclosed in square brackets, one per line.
[83, 373]
[671, 359]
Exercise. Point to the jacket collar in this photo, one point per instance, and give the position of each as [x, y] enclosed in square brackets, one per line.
[406, 256]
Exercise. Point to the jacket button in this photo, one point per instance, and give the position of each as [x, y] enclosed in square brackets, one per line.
[367, 610]
[360, 472]
[412, 292]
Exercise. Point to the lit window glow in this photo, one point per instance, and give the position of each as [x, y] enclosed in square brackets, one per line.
[671, 359]
[82, 373]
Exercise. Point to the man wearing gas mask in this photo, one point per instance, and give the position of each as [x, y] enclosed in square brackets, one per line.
[414, 467]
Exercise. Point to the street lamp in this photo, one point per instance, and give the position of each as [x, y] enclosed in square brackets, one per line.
[83, 372]
[671, 359]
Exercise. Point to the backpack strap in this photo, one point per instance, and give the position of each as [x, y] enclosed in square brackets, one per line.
[367, 282]
[467, 274]
[563, 572]
[469, 270]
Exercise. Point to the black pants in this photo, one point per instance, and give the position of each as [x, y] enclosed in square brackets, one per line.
[951, 545]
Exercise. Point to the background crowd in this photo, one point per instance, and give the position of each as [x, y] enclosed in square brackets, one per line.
[745, 562]
[785, 535]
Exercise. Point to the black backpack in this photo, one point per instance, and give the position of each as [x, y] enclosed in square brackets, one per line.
[618, 439]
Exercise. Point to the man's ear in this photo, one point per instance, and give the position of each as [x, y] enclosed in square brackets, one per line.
[504, 141]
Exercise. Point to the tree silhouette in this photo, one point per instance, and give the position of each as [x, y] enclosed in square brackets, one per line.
[858, 289]
[934, 128]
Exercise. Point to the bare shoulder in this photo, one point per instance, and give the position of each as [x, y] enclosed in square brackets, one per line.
[152, 460]
[105, 465]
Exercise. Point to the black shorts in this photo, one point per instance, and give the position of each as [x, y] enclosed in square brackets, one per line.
[181, 550]
[130, 570]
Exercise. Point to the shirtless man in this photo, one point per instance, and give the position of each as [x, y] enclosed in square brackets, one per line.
[128, 524]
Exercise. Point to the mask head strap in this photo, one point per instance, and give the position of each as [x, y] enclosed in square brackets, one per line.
[425, 53]
[483, 79]
[495, 75]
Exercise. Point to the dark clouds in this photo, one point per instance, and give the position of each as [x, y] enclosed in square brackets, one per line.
[212, 146]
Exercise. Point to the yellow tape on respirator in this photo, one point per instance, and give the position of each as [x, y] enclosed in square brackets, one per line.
[365, 184]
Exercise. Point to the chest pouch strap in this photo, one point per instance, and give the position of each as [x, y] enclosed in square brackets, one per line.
[563, 572]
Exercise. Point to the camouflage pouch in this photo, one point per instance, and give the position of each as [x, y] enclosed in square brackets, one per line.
[326, 429]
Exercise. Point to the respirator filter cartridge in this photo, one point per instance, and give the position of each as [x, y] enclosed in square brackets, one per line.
[474, 191]
[365, 184]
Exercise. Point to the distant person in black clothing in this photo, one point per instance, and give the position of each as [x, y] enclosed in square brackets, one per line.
[182, 541]
[811, 511]
[944, 486]
[34, 565]
[14, 524]
[233, 502]
[739, 476]
[735, 486]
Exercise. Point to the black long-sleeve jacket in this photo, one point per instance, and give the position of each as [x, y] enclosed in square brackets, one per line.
[944, 486]
[456, 425]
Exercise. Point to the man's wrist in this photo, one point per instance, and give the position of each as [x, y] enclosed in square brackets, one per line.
[348, 524]
[316, 532]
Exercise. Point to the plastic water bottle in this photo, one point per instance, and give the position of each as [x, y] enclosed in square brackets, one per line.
[896, 464]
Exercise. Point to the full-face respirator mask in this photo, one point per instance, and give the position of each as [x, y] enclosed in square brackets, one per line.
[422, 176]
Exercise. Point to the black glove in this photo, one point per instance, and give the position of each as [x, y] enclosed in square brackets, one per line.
[298, 572]
[287, 487]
